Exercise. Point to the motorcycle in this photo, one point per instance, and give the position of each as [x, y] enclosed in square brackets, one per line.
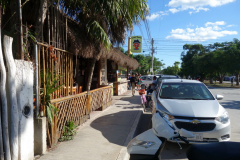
[149, 145]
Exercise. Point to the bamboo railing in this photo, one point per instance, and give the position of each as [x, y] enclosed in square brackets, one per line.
[101, 97]
[60, 64]
[77, 108]
[71, 106]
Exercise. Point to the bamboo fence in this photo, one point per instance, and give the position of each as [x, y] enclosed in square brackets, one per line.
[72, 106]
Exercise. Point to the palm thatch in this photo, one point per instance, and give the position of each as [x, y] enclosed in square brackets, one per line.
[121, 59]
[79, 45]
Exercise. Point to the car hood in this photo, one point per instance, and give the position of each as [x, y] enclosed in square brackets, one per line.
[192, 108]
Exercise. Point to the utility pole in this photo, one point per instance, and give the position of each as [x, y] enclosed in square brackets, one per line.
[129, 51]
[152, 55]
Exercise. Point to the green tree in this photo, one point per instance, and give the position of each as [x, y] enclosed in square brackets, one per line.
[188, 66]
[105, 21]
[172, 70]
[145, 63]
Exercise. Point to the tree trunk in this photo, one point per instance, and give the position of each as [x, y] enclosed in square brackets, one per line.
[3, 104]
[221, 76]
[42, 14]
[91, 69]
[211, 80]
[220, 79]
[13, 98]
[237, 79]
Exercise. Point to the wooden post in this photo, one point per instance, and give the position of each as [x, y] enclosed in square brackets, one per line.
[55, 27]
[66, 36]
[4, 107]
[52, 27]
[20, 31]
[89, 102]
[13, 98]
[52, 72]
[71, 74]
[39, 74]
[49, 27]
[67, 74]
[44, 78]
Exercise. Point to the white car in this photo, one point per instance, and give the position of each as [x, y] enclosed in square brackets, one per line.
[147, 79]
[188, 104]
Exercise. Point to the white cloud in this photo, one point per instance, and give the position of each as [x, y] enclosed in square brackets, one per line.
[177, 31]
[231, 25]
[152, 17]
[210, 31]
[218, 23]
[190, 25]
[201, 8]
[156, 15]
[195, 5]
[174, 10]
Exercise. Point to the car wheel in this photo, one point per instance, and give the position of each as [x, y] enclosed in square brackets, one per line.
[150, 104]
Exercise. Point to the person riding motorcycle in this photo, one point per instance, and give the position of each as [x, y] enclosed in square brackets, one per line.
[153, 85]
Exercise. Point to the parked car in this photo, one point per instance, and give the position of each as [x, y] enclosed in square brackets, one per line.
[190, 105]
[147, 79]
[161, 77]
[226, 78]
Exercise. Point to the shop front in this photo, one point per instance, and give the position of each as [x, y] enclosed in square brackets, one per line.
[117, 76]
[113, 68]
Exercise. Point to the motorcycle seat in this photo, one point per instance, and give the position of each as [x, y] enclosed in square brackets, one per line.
[214, 151]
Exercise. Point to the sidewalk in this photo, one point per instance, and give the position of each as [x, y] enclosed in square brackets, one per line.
[104, 136]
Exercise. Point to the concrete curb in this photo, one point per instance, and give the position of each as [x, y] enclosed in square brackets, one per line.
[123, 155]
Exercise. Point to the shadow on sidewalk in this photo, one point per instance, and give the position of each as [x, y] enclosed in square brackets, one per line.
[231, 104]
[131, 99]
[115, 127]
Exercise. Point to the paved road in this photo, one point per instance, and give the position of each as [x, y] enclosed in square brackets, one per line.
[231, 102]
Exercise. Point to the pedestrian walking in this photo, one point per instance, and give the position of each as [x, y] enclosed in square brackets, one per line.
[232, 79]
[129, 83]
[133, 82]
[138, 83]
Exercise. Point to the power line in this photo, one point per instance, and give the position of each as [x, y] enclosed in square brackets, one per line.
[143, 36]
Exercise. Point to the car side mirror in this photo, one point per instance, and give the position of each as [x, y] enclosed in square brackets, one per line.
[184, 133]
[219, 97]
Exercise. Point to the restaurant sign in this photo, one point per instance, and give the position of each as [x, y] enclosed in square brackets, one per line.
[136, 44]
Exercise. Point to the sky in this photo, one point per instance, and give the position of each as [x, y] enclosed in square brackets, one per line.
[173, 23]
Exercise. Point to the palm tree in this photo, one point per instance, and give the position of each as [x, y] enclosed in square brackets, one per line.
[105, 22]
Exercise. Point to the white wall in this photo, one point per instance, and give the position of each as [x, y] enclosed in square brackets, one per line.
[24, 87]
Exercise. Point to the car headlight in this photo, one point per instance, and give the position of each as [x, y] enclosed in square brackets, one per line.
[145, 144]
[223, 118]
[167, 118]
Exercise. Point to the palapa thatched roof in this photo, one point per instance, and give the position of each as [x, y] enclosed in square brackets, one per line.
[80, 45]
[121, 59]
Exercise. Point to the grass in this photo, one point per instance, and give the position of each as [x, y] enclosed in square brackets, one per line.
[224, 85]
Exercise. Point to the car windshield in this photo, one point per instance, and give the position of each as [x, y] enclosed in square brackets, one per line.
[193, 91]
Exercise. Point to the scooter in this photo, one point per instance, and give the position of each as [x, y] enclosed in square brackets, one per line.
[150, 144]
